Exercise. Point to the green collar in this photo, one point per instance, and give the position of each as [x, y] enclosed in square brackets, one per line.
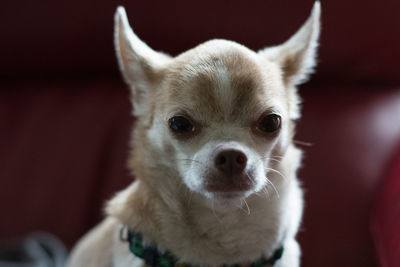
[154, 258]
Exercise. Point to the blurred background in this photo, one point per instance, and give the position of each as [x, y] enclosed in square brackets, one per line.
[65, 116]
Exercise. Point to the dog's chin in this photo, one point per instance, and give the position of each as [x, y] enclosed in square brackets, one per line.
[225, 195]
[227, 201]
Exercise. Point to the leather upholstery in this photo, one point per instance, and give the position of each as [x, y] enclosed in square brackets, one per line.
[359, 40]
[386, 216]
[65, 116]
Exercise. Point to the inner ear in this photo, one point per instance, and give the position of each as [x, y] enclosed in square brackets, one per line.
[291, 65]
[297, 56]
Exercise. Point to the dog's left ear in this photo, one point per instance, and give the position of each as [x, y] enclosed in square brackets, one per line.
[297, 56]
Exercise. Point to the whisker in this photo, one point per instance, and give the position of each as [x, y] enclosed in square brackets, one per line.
[190, 196]
[276, 171]
[248, 208]
[272, 159]
[278, 157]
[259, 194]
[273, 186]
[241, 206]
[215, 214]
[192, 160]
[266, 192]
[302, 143]
[250, 178]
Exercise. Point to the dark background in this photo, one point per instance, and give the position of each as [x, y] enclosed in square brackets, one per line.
[65, 116]
[359, 39]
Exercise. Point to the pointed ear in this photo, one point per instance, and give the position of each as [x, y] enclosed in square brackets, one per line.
[297, 56]
[139, 64]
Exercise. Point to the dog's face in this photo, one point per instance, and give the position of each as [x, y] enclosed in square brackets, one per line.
[219, 115]
[225, 113]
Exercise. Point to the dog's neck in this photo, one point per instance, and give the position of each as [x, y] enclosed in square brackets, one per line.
[153, 257]
[186, 223]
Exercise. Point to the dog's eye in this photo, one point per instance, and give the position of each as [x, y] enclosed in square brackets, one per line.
[269, 123]
[180, 124]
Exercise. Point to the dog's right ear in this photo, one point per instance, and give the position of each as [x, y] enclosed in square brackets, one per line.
[140, 65]
[297, 56]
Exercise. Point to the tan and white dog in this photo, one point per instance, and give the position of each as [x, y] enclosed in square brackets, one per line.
[213, 154]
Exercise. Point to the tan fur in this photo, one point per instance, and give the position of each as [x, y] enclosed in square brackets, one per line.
[85, 254]
[246, 82]
[224, 89]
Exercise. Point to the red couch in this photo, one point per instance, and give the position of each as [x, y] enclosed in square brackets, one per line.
[65, 116]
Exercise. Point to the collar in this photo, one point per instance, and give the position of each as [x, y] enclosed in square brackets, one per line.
[155, 258]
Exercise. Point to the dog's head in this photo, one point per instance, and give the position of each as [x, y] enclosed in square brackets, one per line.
[220, 116]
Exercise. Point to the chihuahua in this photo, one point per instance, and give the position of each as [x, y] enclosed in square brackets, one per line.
[213, 155]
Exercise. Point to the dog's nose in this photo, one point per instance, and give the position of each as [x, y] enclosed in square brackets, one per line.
[231, 162]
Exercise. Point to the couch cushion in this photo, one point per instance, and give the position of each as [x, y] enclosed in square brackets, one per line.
[386, 217]
[63, 154]
[352, 131]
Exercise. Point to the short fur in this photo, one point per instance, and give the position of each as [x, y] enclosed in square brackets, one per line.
[224, 88]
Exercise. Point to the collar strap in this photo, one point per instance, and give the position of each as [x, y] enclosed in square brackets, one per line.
[154, 258]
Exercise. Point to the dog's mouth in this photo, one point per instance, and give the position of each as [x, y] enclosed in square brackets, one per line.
[228, 185]
[232, 187]
[228, 196]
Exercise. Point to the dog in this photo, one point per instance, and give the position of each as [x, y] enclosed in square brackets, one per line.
[213, 155]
